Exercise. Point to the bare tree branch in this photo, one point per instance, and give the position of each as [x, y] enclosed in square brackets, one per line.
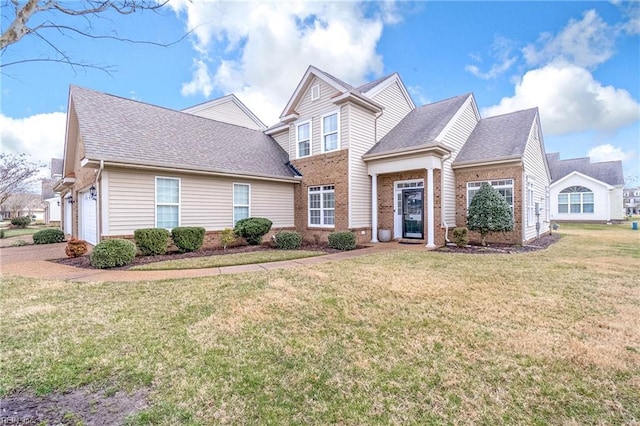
[16, 174]
[24, 11]
[106, 69]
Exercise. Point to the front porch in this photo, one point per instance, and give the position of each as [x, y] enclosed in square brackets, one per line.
[406, 200]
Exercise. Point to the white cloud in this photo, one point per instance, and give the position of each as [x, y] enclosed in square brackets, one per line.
[40, 136]
[500, 50]
[586, 43]
[570, 100]
[608, 152]
[265, 47]
[201, 82]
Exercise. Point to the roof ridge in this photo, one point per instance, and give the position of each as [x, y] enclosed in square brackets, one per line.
[466, 95]
[512, 112]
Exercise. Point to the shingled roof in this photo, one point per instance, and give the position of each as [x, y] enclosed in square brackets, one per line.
[498, 138]
[121, 130]
[420, 127]
[609, 172]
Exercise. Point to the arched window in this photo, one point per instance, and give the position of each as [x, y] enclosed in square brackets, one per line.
[575, 199]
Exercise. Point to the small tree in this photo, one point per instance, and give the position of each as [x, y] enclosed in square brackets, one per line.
[17, 173]
[489, 212]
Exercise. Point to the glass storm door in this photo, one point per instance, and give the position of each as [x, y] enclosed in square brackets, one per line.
[412, 213]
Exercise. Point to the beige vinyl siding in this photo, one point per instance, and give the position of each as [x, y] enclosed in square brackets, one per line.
[228, 112]
[454, 139]
[396, 108]
[313, 110]
[534, 166]
[205, 201]
[361, 138]
[282, 139]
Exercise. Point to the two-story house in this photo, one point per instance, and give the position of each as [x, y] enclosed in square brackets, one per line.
[631, 200]
[341, 158]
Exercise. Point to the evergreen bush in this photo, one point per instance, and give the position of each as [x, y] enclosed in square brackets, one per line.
[460, 236]
[151, 241]
[113, 253]
[288, 240]
[227, 237]
[21, 221]
[342, 240]
[252, 229]
[188, 238]
[48, 236]
[489, 212]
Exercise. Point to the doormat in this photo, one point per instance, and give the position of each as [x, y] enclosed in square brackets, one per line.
[410, 242]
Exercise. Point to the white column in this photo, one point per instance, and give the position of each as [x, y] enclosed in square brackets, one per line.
[374, 208]
[430, 218]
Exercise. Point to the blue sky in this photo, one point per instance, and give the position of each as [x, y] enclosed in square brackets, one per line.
[579, 62]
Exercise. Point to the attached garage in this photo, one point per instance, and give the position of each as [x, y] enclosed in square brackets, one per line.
[88, 218]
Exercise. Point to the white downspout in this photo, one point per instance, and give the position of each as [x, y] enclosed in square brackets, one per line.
[98, 184]
[442, 191]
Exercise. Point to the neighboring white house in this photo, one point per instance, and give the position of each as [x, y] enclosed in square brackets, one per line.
[582, 191]
[52, 212]
[632, 201]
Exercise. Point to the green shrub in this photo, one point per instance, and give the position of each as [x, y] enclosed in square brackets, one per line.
[188, 238]
[253, 229]
[1, 234]
[489, 212]
[21, 221]
[288, 240]
[227, 236]
[152, 241]
[18, 243]
[48, 236]
[461, 236]
[342, 240]
[76, 248]
[112, 253]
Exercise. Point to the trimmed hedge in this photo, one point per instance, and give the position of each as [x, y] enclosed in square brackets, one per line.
[152, 241]
[342, 240]
[253, 229]
[48, 236]
[76, 247]
[288, 240]
[188, 238]
[460, 236]
[113, 253]
[21, 221]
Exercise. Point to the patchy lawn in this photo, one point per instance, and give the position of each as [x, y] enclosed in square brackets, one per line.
[547, 337]
[233, 259]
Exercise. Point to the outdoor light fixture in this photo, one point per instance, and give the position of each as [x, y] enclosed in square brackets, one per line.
[93, 193]
[58, 202]
[70, 200]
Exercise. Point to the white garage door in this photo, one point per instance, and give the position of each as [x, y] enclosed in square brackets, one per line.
[88, 218]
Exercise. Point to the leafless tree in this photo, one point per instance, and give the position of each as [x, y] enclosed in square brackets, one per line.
[51, 14]
[17, 173]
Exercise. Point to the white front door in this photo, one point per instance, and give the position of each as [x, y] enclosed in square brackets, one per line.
[68, 211]
[398, 187]
[88, 218]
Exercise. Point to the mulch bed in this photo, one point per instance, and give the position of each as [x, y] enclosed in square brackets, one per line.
[475, 248]
[83, 261]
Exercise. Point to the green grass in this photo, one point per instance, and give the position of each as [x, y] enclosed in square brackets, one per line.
[16, 232]
[402, 337]
[234, 259]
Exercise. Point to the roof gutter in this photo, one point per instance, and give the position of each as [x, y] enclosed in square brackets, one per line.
[435, 149]
[107, 163]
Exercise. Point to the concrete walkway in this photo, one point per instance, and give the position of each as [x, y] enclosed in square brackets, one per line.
[32, 262]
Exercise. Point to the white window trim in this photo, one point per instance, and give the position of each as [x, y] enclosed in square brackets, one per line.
[315, 92]
[322, 208]
[233, 208]
[302, 123]
[581, 204]
[530, 201]
[179, 203]
[512, 186]
[337, 132]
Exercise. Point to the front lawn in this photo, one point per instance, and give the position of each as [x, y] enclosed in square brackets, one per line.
[402, 337]
[232, 259]
[17, 232]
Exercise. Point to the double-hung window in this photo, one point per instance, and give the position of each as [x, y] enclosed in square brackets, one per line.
[167, 202]
[241, 201]
[530, 202]
[575, 199]
[322, 206]
[504, 187]
[303, 139]
[330, 133]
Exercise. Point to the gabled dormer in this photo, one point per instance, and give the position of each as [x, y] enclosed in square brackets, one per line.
[227, 109]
